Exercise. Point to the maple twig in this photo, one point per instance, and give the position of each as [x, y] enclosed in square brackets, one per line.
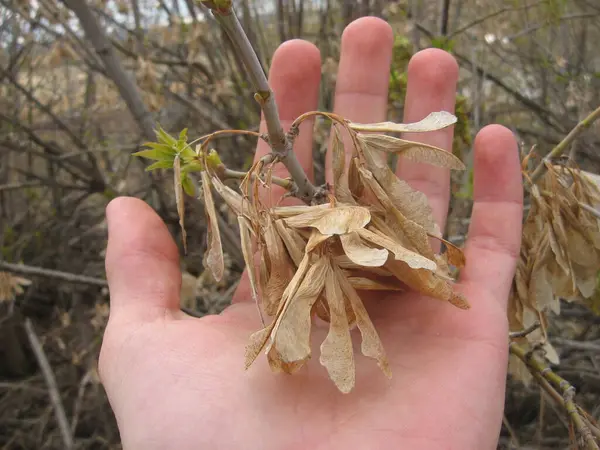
[562, 145]
[525, 332]
[225, 15]
[541, 371]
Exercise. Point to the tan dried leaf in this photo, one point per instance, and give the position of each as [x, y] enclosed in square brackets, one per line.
[371, 343]
[337, 354]
[434, 121]
[214, 254]
[414, 151]
[360, 253]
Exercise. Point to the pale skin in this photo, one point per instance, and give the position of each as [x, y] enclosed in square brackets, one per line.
[176, 382]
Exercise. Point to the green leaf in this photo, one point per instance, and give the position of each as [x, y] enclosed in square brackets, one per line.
[187, 185]
[159, 154]
[188, 154]
[183, 136]
[165, 137]
[194, 166]
[160, 165]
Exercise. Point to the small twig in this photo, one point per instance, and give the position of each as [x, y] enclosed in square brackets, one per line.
[42, 360]
[542, 371]
[511, 431]
[38, 271]
[223, 12]
[564, 144]
[525, 332]
[283, 182]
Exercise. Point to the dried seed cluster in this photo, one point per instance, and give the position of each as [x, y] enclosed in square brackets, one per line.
[560, 254]
[372, 234]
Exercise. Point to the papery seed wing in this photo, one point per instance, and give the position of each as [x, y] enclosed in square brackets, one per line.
[179, 199]
[337, 220]
[360, 253]
[340, 181]
[293, 337]
[214, 254]
[411, 203]
[247, 252]
[427, 283]
[412, 150]
[433, 121]
[337, 354]
[280, 270]
[294, 243]
[414, 260]
[371, 343]
[264, 337]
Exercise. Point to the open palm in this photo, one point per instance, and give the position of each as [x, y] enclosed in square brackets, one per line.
[179, 382]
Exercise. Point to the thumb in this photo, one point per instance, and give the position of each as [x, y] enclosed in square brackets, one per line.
[142, 262]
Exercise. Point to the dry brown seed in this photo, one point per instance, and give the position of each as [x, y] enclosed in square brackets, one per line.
[414, 260]
[262, 338]
[410, 234]
[293, 241]
[233, 199]
[179, 199]
[360, 253]
[411, 203]
[316, 238]
[337, 355]
[246, 244]
[414, 151]
[292, 340]
[427, 283]
[340, 182]
[279, 268]
[335, 220]
[371, 344]
[214, 254]
[434, 121]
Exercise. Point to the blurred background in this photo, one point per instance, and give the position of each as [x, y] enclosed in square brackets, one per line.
[84, 83]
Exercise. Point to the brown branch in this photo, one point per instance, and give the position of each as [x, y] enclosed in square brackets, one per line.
[564, 144]
[48, 273]
[541, 370]
[59, 410]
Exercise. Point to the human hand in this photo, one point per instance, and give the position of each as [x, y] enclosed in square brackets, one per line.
[179, 382]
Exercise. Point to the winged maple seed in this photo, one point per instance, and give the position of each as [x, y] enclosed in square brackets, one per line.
[372, 234]
[560, 254]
